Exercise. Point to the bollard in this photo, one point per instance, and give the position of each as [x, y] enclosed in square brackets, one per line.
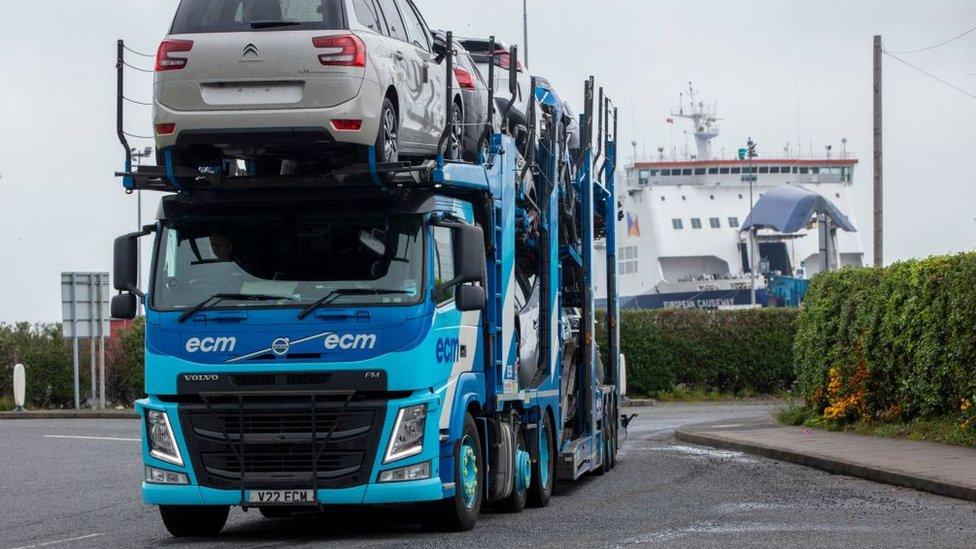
[20, 388]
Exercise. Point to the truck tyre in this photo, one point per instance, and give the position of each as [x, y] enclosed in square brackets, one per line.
[544, 466]
[194, 520]
[515, 502]
[459, 513]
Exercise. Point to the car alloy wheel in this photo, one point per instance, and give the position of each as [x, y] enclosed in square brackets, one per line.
[457, 134]
[390, 153]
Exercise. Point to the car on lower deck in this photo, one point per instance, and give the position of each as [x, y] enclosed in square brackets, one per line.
[306, 83]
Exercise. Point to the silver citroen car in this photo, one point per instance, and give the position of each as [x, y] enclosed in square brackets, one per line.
[313, 83]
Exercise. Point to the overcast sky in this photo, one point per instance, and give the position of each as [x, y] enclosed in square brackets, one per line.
[60, 206]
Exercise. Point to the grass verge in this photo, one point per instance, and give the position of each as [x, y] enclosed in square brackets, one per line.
[944, 430]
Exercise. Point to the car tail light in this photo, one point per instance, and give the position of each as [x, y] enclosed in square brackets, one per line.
[165, 61]
[464, 79]
[346, 50]
[165, 129]
[347, 125]
[503, 59]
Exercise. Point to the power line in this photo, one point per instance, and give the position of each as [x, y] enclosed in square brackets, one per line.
[930, 75]
[127, 48]
[135, 68]
[932, 47]
[133, 101]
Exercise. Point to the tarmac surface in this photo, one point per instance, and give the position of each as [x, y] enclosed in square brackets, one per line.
[75, 483]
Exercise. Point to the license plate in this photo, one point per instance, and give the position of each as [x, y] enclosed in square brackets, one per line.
[282, 497]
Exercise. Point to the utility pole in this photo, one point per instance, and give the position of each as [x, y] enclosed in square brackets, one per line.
[878, 160]
[525, 32]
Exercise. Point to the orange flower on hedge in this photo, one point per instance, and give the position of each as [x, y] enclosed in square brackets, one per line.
[966, 405]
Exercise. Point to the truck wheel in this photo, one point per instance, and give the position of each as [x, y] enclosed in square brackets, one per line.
[544, 468]
[460, 512]
[194, 520]
[522, 468]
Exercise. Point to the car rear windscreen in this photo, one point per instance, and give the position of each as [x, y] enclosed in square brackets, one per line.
[203, 16]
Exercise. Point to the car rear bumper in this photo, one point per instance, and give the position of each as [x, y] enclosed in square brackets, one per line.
[229, 129]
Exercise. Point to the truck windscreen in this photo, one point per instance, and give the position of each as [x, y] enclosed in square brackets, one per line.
[300, 259]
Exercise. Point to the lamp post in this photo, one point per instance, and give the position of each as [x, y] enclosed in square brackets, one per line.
[750, 153]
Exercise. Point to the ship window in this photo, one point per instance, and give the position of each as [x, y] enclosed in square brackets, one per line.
[715, 222]
[804, 170]
[764, 169]
[795, 170]
[663, 199]
[723, 171]
[740, 197]
[736, 170]
[665, 172]
[774, 169]
[815, 170]
[627, 263]
[654, 173]
[677, 224]
[686, 171]
[712, 171]
[696, 223]
[699, 171]
[734, 222]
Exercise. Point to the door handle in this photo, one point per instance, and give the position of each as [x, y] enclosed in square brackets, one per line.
[398, 55]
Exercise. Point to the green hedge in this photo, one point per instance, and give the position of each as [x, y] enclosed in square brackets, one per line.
[47, 361]
[890, 344]
[728, 351]
[47, 358]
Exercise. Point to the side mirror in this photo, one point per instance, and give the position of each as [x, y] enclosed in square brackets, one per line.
[470, 298]
[469, 253]
[126, 265]
[125, 306]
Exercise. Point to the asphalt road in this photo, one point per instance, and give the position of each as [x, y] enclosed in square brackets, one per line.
[83, 492]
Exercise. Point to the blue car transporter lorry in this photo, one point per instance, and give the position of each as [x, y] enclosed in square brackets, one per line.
[355, 338]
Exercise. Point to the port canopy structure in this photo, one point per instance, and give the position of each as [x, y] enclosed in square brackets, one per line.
[788, 209]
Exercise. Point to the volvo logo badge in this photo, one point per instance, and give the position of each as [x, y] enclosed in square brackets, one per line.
[280, 346]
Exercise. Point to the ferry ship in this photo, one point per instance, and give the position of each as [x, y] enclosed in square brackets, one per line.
[679, 238]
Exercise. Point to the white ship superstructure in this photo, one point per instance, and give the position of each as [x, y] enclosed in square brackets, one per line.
[679, 240]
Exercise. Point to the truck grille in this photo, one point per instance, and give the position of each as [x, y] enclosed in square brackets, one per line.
[273, 438]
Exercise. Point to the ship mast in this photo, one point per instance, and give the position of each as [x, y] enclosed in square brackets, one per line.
[705, 121]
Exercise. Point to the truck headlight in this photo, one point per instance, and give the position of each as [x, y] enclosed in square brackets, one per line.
[408, 433]
[162, 443]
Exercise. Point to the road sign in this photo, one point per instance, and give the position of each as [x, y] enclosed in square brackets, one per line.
[84, 312]
[85, 304]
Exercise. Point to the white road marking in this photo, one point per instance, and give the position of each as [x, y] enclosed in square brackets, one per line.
[726, 426]
[115, 439]
[58, 541]
[708, 529]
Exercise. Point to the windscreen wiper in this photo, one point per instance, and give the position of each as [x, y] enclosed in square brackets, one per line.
[335, 294]
[217, 298]
[273, 24]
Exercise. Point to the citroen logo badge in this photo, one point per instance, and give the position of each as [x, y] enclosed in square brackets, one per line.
[250, 54]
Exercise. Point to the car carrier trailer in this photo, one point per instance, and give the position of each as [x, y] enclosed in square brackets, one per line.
[411, 394]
